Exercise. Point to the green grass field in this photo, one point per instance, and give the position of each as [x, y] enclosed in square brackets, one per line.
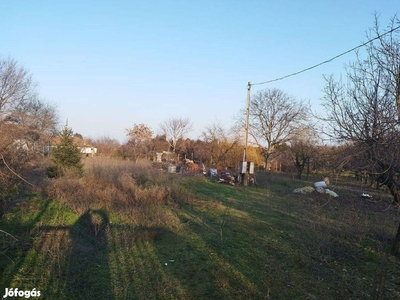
[219, 242]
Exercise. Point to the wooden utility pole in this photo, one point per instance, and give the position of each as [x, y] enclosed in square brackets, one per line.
[247, 120]
[245, 172]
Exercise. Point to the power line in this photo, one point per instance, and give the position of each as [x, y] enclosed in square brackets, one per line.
[329, 60]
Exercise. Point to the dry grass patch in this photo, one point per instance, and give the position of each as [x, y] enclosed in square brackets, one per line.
[132, 192]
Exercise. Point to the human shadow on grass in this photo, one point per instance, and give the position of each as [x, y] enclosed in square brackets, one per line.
[88, 274]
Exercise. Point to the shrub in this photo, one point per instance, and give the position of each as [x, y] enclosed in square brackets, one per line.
[66, 157]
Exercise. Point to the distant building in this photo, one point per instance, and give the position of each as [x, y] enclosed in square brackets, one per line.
[163, 156]
[84, 149]
[88, 151]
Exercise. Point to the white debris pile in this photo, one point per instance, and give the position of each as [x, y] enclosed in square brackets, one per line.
[332, 193]
[304, 190]
[319, 186]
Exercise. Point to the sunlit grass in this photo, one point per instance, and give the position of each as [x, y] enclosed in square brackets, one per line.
[211, 241]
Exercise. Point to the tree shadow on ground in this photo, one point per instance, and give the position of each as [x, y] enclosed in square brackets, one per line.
[195, 265]
[14, 248]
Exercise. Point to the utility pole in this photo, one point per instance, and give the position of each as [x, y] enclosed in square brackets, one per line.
[244, 168]
[247, 120]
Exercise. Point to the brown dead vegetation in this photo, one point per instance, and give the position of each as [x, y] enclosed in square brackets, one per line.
[133, 191]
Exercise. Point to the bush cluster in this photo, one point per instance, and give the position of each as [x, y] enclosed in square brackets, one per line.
[131, 192]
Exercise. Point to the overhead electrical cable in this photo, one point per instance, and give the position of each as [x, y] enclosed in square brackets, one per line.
[329, 60]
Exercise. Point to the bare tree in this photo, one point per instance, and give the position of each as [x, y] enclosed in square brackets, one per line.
[37, 120]
[107, 146]
[140, 136]
[274, 117]
[303, 149]
[221, 143]
[37, 115]
[21, 107]
[366, 111]
[175, 129]
[16, 87]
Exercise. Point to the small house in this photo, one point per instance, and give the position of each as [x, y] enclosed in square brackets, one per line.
[88, 151]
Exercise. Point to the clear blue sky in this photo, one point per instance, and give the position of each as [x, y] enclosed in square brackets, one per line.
[109, 64]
